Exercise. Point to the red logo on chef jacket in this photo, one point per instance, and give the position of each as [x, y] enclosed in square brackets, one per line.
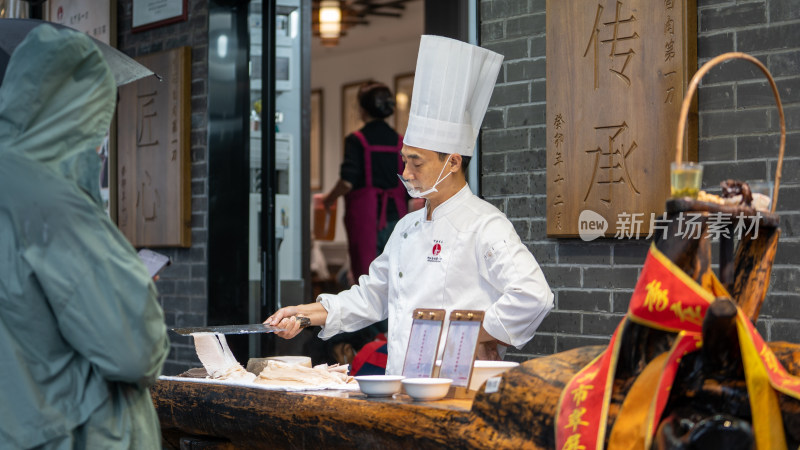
[436, 251]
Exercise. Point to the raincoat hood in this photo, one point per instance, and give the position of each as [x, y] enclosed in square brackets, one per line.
[56, 104]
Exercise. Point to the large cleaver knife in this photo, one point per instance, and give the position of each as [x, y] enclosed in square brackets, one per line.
[239, 329]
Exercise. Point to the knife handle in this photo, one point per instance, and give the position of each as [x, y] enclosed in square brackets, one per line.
[305, 322]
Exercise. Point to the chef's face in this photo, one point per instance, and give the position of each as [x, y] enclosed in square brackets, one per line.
[422, 167]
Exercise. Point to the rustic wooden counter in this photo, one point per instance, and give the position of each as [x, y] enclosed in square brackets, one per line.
[257, 418]
[519, 415]
[242, 417]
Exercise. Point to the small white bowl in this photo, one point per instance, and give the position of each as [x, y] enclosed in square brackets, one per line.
[379, 385]
[482, 370]
[427, 388]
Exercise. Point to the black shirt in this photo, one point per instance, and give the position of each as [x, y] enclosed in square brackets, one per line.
[384, 165]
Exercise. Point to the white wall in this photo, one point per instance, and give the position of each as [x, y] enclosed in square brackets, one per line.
[330, 74]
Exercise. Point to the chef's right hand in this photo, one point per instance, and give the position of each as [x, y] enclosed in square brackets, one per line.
[285, 318]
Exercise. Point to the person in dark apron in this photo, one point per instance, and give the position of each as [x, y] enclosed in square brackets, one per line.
[374, 198]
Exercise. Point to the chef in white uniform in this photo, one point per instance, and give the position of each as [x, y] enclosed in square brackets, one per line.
[459, 252]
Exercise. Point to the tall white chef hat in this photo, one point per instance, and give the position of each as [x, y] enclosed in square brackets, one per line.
[452, 86]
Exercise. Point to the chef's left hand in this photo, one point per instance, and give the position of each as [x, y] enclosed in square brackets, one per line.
[487, 346]
[487, 351]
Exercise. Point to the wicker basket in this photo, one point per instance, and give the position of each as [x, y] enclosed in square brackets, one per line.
[687, 100]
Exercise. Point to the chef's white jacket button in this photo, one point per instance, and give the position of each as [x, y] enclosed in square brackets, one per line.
[405, 235]
[401, 274]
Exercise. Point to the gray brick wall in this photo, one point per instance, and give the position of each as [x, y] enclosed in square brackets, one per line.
[593, 281]
[182, 287]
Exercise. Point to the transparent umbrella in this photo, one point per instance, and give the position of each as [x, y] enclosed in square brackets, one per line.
[13, 32]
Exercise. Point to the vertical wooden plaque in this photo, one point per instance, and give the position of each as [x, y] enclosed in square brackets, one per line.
[154, 168]
[616, 74]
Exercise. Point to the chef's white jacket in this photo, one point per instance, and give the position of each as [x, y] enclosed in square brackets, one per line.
[467, 257]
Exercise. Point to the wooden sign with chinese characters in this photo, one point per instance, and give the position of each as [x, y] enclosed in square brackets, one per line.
[616, 74]
[153, 169]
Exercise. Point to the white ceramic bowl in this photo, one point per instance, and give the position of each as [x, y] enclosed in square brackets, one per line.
[427, 388]
[379, 385]
[483, 370]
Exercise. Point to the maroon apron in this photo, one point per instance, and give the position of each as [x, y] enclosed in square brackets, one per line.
[362, 220]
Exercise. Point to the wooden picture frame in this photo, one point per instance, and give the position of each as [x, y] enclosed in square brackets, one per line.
[403, 89]
[316, 159]
[149, 14]
[351, 116]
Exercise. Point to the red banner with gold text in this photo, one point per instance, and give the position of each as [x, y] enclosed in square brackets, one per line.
[667, 299]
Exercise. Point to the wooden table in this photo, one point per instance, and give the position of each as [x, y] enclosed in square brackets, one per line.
[243, 417]
[257, 418]
[519, 415]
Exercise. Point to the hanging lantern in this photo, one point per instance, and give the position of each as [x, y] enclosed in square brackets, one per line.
[330, 19]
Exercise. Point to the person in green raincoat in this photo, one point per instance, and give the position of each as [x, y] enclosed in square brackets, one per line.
[82, 335]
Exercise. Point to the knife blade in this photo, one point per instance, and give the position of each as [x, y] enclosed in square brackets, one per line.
[238, 329]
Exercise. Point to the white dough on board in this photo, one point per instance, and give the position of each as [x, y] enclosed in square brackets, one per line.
[281, 373]
[217, 358]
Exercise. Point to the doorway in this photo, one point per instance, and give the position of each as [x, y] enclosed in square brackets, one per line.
[264, 167]
[382, 48]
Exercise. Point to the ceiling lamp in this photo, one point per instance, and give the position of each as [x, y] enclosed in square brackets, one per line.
[330, 21]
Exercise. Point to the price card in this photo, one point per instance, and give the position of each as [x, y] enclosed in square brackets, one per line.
[426, 329]
[460, 346]
[493, 385]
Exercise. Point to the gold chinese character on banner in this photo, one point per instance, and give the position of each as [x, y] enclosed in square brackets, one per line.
[579, 393]
[573, 443]
[689, 314]
[656, 298]
[576, 419]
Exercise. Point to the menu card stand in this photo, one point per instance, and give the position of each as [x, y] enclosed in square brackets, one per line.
[423, 344]
[459, 351]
